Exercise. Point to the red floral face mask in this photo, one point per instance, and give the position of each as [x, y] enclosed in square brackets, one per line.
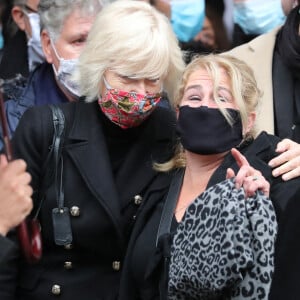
[127, 109]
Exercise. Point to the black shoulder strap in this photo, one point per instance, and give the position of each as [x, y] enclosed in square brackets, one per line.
[163, 233]
[58, 138]
[169, 206]
[51, 165]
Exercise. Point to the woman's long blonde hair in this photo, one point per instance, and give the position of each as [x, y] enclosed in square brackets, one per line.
[244, 90]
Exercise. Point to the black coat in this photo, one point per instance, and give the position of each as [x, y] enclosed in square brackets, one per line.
[258, 153]
[286, 280]
[90, 269]
[6, 248]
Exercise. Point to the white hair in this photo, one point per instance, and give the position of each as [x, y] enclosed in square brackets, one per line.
[133, 39]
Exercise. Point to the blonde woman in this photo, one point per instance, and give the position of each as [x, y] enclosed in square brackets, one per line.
[203, 239]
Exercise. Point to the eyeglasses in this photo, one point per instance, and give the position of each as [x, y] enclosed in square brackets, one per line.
[30, 9]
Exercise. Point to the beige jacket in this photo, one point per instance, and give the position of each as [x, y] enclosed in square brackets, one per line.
[258, 53]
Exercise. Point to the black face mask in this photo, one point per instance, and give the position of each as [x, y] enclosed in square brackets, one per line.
[205, 130]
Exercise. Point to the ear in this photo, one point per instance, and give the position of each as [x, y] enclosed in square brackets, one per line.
[19, 17]
[251, 121]
[46, 45]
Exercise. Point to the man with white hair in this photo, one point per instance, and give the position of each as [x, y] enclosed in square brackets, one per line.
[64, 29]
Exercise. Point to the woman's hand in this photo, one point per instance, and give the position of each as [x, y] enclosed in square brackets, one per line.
[287, 164]
[248, 177]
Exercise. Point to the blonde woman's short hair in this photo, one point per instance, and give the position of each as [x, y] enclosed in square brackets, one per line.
[133, 39]
[243, 86]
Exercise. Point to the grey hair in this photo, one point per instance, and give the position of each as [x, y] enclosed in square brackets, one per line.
[53, 13]
[133, 39]
[20, 2]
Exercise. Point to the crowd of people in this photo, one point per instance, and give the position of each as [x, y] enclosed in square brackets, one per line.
[176, 174]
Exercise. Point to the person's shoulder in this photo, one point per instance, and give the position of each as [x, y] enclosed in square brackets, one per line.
[79, 108]
[65, 107]
[266, 141]
[263, 135]
[21, 89]
[261, 41]
[79, 113]
[42, 113]
[13, 87]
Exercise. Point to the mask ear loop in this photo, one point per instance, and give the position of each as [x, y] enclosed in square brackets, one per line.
[55, 51]
[57, 56]
[107, 85]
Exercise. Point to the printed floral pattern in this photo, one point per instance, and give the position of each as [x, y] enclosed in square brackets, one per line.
[128, 109]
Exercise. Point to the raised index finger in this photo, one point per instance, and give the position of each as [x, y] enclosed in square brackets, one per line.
[239, 158]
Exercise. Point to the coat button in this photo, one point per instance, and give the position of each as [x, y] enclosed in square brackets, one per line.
[68, 265]
[137, 199]
[56, 290]
[68, 246]
[75, 211]
[116, 265]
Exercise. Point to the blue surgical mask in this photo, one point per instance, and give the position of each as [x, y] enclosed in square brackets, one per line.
[1, 40]
[257, 16]
[65, 72]
[35, 52]
[187, 18]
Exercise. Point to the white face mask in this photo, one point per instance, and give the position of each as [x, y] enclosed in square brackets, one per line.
[258, 17]
[65, 72]
[35, 51]
[187, 17]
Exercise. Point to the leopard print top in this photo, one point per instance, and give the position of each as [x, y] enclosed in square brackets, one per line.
[224, 247]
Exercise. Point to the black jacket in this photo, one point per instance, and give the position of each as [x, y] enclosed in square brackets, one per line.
[258, 153]
[6, 248]
[286, 279]
[90, 269]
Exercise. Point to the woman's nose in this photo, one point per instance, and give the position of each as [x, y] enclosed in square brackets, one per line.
[139, 87]
[205, 101]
